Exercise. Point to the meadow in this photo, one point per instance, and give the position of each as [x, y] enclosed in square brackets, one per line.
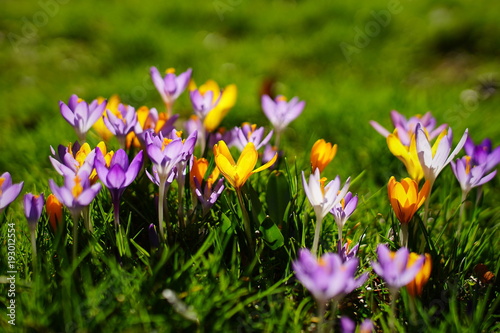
[231, 267]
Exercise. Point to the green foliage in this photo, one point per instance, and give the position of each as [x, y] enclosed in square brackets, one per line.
[431, 56]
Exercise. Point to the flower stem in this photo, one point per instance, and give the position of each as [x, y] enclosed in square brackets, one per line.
[116, 213]
[33, 251]
[404, 234]
[315, 245]
[392, 318]
[246, 223]
[321, 315]
[161, 199]
[86, 219]
[76, 218]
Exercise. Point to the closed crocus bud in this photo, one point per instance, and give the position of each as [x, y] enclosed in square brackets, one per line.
[405, 198]
[416, 286]
[33, 205]
[54, 209]
[322, 153]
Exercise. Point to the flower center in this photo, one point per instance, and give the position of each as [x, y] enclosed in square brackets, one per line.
[467, 164]
[166, 141]
[78, 188]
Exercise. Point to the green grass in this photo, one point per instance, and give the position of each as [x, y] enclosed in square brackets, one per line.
[424, 59]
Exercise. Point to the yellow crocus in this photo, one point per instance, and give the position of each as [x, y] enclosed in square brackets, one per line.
[237, 173]
[416, 286]
[405, 198]
[322, 153]
[226, 102]
[146, 122]
[407, 155]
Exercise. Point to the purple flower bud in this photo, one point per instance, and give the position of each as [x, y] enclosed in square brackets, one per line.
[33, 206]
[8, 191]
[81, 115]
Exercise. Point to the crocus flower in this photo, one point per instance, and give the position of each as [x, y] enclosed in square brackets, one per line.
[170, 86]
[416, 286]
[322, 153]
[349, 326]
[343, 210]
[280, 112]
[226, 99]
[166, 153]
[203, 184]
[33, 206]
[345, 252]
[407, 127]
[123, 123]
[405, 198]
[75, 157]
[237, 173]
[81, 115]
[8, 191]
[470, 176]
[204, 102]
[393, 267]
[250, 133]
[54, 210]
[99, 126]
[327, 277]
[323, 198]
[434, 159]
[407, 155]
[269, 152]
[149, 119]
[117, 175]
[76, 193]
[483, 153]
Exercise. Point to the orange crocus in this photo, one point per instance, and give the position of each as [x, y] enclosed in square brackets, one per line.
[416, 286]
[322, 153]
[405, 198]
[54, 209]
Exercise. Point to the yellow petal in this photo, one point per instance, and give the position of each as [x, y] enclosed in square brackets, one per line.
[226, 168]
[267, 165]
[221, 148]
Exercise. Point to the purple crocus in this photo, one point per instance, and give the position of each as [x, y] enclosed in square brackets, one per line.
[327, 277]
[122, 124]
[81, 115]
[250, 133]
[73, 158]
[343, 210]
[203, 103]
[469, 175]
[33, 206]
[280, 112]
[208, 194]
[76, 193]
[345, 252]
[8, 191]
[392, 267]
[118, 175]
[483, 153]
[170, 86]
[407, 127]
[166, 153]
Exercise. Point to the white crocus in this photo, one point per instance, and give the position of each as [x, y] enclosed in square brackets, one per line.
[323, 198]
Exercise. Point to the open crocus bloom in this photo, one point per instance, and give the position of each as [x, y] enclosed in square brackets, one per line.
[407, 127]
[280, 112]
[434, 159]
[8, 191]
[327, 277]
[393, 267]
[170, 86]
[323, 197]
[237, 173]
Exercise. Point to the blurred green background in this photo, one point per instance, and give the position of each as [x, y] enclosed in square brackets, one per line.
[350, 62]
